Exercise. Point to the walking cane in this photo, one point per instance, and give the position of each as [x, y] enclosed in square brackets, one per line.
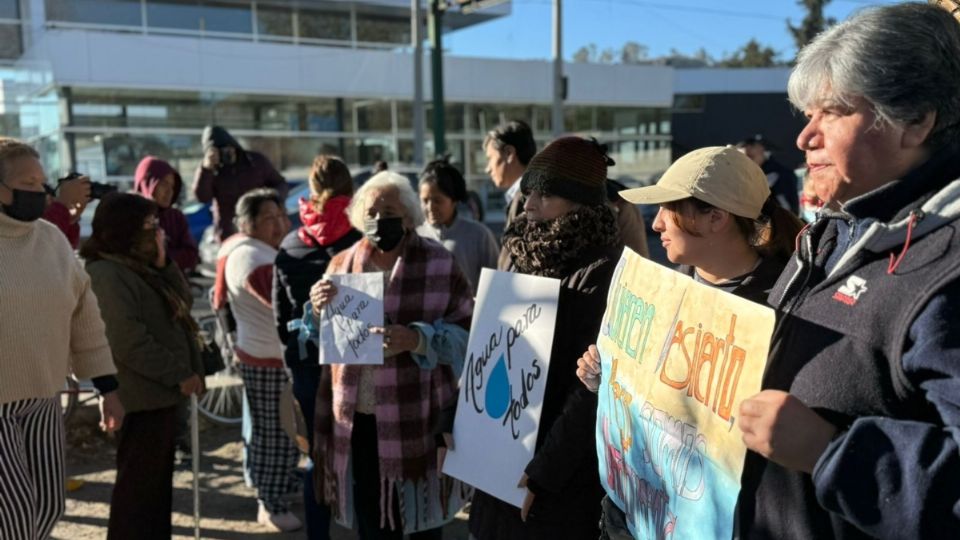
[195, 447]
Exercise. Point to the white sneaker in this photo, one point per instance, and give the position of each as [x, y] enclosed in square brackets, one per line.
[284, 522]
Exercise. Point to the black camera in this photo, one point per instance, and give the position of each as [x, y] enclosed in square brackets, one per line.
[228, 156]
[98, 190]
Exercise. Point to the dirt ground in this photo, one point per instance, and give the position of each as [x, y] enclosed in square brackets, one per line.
[228, 506]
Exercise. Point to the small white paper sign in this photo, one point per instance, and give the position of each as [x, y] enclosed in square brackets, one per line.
[502, 387]
[345, 322]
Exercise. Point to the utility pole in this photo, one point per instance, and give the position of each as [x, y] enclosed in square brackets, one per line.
[558, 91]
[436, 75]
[416, 27]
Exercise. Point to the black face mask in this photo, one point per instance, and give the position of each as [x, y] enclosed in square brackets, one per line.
[26, 205]
[384, 233]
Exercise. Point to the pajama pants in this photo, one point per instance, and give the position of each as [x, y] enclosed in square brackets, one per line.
[271, 456]
[31, 468]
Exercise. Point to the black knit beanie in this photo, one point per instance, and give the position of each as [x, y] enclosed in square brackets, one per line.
[570, 167]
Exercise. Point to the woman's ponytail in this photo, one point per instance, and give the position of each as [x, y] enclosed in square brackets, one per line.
[778, 230]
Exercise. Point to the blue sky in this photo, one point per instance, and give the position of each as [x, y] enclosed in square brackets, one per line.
[661, 25]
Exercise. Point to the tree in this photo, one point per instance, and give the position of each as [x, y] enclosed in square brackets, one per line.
[633, 53]
[585, 54]
[812, 24]
[606, 57]
[751, 55]
[679, 59]
[588, 54]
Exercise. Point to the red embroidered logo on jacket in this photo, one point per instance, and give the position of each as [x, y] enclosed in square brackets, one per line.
[850, 292]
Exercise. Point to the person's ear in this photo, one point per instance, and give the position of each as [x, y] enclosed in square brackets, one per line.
[511, 153]
[718, 219]
[915, 134]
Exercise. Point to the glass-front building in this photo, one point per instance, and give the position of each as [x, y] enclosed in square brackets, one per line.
[282, 21]
[129, 78]
[109, 130]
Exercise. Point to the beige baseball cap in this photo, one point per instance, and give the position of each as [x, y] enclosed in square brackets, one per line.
[720, 175]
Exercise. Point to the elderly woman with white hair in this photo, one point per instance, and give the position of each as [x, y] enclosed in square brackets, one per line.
[375, 425]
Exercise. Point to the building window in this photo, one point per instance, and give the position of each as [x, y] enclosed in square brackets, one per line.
[9, 9]
[322, 116]
[380, 29]
[282, 116]
[317, 24]
[178, 14]
[226, 17]
[118, 12]
[10, 43]
[200, 15]
[371, 115]
[274, 21]
[689, 102]
[578, 119]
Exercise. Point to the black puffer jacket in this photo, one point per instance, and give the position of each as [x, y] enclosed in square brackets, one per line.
[298, 266]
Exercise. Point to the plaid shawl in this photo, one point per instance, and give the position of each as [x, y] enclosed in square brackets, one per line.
[426, 285]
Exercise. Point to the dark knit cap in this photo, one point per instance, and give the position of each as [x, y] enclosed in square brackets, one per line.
[570, 167]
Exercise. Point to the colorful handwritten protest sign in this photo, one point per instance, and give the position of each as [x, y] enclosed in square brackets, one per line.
[501, 390]
[345, 322]
[677, 359]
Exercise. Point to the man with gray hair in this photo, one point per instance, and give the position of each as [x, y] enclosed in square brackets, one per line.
[858, 422]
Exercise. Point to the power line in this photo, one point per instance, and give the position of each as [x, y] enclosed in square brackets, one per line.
[695, 10]
[682, 28]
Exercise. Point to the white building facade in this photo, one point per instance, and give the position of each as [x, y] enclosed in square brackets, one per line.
[113, 80]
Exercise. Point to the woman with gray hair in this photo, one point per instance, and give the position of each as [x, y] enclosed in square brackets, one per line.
[245, 280]
[374, 442]
[858, 420]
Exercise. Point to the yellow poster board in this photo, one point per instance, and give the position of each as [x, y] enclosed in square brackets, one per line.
[677, 359]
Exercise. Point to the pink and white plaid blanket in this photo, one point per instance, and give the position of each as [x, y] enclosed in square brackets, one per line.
[426, 285]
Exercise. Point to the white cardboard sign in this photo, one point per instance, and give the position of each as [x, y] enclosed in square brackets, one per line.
[502, 387]
[345, 322]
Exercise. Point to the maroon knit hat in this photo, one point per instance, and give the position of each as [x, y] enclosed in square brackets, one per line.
[570, 167]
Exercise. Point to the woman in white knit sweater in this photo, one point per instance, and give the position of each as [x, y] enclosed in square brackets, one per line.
[50, 326]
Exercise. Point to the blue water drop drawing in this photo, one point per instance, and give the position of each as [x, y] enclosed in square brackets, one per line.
[497, 397]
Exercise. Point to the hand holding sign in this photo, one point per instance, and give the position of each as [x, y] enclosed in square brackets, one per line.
[397, 338]
[351, 309]
[527, 500]
[321, 294]
[588, 369]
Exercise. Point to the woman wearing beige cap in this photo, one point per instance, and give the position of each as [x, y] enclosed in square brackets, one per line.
[719, 222]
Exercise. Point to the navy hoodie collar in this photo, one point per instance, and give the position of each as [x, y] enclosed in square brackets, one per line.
[894, 200]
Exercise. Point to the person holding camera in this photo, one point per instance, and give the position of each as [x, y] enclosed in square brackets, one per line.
[45, 291]
[66, 203]
[227, 172]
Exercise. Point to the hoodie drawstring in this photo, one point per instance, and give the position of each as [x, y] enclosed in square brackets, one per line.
[796, 241]
[915, 216]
